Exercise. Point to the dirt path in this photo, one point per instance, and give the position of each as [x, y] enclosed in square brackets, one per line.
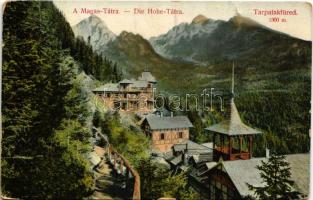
[107, 186]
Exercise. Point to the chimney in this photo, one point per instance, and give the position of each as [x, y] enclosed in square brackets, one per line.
[267, 152]
[171, 114]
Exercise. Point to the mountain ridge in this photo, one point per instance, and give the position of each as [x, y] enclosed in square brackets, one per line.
[199, 19]
[209, 40]
[95, 28]
[205, 47]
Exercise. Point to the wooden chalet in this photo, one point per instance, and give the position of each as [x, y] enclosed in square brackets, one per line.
[166, 131]
[228, 179]
[134, 96]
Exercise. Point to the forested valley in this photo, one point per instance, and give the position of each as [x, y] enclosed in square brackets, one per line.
[46, 111]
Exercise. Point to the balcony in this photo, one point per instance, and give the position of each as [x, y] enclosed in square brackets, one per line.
[235, 154]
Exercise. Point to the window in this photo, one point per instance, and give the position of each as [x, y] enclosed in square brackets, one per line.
[124, 106]
[117, 105]
[162, 136]
[180, 134]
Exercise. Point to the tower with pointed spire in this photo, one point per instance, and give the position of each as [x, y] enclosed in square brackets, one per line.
[232, 139]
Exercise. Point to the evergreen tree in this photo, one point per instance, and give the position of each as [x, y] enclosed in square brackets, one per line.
[196, 132]
[96, 118]
[42, 106]
[157, 182]
[276, 177]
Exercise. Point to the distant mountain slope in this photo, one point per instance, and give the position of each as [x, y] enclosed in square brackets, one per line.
[130, 49]
[97, 30]
[135, 54]
[206, 41]
[193, 56]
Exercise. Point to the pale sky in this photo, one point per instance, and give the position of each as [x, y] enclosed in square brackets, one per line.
[148, 25]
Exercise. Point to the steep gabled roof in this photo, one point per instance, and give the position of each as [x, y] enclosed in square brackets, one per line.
[147, 76]
[160, 123]
[233, 124]
[242, 172]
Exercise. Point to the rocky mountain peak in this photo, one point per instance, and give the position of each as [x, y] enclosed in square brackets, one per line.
[95, 18]
[126, 34]
[200, 19]
[96, 21]
[239, 20]
[95, 28]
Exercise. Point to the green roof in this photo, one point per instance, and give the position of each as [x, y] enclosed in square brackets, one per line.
[110, 87]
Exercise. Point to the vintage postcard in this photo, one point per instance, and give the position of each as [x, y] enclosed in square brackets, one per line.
[156, 100]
